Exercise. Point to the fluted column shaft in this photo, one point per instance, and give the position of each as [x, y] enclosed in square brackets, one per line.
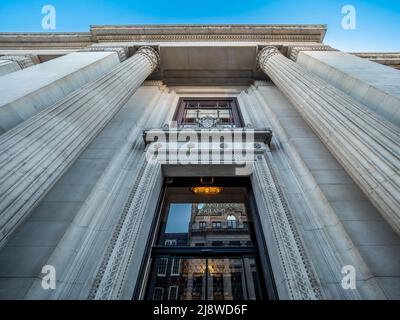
[36, 153]
[365, 144]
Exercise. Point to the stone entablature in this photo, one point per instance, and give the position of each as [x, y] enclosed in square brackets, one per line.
[162, 33]
[391, 59]
[299, 33]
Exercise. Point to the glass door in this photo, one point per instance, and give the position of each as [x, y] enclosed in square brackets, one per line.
[205, 249]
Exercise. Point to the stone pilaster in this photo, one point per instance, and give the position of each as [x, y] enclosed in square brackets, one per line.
[297, 279]
[365, 144]
[126, 243]
[37, 152]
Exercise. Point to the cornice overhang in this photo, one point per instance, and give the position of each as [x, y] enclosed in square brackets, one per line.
[163, 33]
[209, 32]
[45, 40]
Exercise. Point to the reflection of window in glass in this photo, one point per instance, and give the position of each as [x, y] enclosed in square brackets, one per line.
[176, 267]
[158, 293]
[197, 291]
[162, 267]
[231, 219]
[173, 293]
[228, 279]
[216, 224]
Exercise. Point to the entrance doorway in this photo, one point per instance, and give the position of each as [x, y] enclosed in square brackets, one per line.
[207, 245]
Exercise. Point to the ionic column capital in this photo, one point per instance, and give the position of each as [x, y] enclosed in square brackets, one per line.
[265, 54]
[151, 54]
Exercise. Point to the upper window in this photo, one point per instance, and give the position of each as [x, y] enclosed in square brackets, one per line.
[208, 113]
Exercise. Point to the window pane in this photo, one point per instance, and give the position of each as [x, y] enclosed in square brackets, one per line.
[176, 267]
[162, 267]
[218, 109]
[158, 294]
[208, 112]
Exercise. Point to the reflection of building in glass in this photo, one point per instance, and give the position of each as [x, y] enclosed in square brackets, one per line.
[214, 278]
[219, 224]
[222, 278]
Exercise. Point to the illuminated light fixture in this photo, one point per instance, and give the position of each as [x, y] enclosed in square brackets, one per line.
[207, 190]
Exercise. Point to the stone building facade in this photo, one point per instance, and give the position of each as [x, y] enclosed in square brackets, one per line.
[80, 111]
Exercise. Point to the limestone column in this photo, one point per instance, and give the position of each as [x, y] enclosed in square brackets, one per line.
[367, 145]
[37, 152]
[371, 84]
[31, 90]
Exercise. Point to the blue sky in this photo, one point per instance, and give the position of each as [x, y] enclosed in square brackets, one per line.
[178, 218]
[377, 24]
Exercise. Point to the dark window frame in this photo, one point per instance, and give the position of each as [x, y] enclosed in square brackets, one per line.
[182, 106]
[216, 225]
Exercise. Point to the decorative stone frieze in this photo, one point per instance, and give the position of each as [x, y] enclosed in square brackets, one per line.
[365, 144]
